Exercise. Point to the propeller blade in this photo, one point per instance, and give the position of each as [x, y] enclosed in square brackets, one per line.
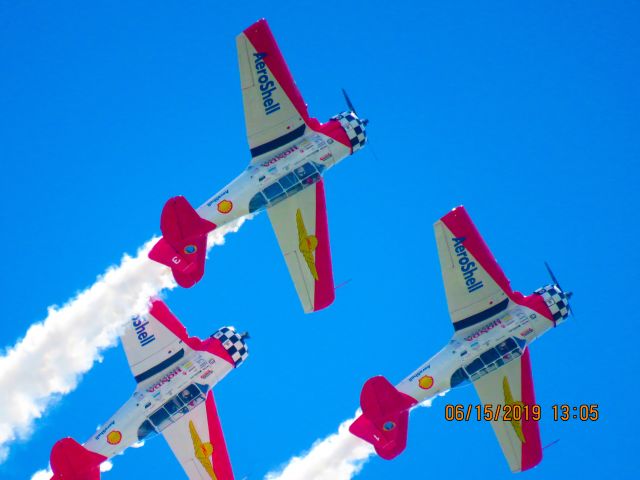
[555, 281]
[553, 277]
[348, 100]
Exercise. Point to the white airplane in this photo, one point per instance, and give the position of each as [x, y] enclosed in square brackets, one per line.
[494, 326]
[175, 374]
[290, 151]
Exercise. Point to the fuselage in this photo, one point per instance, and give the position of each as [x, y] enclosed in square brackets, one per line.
[276, 176]
[158, 402]
[476, 352]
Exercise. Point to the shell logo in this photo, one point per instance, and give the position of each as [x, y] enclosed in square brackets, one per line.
[114, 437]
[225, 206]
[426, 382]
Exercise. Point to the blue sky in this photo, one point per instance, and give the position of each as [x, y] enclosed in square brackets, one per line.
[526, 114]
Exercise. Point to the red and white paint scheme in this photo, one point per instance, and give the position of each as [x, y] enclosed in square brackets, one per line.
[290, 152]
[174, 375]
[494, 326]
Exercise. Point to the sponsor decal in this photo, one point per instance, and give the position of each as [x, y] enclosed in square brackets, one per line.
[418, 373]
[202, 450]
[114, 437]
[526, 332]
[325, 157]
[307, 245]
[190, 249]
[165, 379]
[217, 197]
[509, 400]
[483, 330]
[206, 374]
[225, 206]
[388, 426]
[267, 86]
[104, 430]
[280, 156]
[426, 382]
[139, 325]
[467, 266]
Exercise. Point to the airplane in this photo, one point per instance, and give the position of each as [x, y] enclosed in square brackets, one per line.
[174, 374]
[493, 328]
[290, 152]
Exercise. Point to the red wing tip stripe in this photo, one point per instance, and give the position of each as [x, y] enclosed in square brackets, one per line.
[459, 210]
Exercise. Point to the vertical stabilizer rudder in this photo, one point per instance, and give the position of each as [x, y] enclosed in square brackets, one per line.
[385, 417]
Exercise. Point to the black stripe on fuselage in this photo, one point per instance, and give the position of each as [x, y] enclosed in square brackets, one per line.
[278, 142]
[482, 316]
[160, 367]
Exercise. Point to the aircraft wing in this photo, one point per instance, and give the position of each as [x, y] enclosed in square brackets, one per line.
[275, 113]
[509, 385]
[156, 341]
[153, 342]
[197, 441]
[475, 285]
[300, 224]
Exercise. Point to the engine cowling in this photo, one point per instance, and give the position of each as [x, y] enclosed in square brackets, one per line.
[355, 129]
[234, 343]
[557, 302]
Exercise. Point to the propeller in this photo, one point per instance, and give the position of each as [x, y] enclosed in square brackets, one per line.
[352, 108]
[556, 282]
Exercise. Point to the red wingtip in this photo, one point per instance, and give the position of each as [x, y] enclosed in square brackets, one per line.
[71, 461]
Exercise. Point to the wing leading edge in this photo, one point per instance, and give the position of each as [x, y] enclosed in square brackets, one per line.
[275, 113]
[301, 226]
[198, 443]
[513, 385]
[475, 285]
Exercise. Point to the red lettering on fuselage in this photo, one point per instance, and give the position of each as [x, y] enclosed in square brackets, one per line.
[483, 330]
[165, 379]
[280, 156]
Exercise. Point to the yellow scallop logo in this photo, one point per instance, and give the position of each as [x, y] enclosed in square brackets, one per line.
[225, 206]
[426, 382]
[114, 437]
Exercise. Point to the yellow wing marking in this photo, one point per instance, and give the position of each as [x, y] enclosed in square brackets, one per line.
[202, 451]
[307, 244]
[508, 400]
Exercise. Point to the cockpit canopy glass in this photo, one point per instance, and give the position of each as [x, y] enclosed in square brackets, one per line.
[173, 409]
[303, 176]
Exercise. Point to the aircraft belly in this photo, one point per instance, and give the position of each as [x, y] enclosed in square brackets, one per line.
[117, 433]
[433, 377]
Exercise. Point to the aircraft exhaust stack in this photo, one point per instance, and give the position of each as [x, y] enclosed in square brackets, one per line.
[71, 461]
[385, 417]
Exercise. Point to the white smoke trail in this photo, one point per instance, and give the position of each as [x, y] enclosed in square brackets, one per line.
[340, 456]
[48, 362]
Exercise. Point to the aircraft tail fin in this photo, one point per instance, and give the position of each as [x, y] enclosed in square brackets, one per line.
[183, 246]
[385, 417]
[71, 461]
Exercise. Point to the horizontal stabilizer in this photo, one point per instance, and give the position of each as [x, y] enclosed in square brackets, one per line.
[184, 244]
[385, 417]
[71, 461]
